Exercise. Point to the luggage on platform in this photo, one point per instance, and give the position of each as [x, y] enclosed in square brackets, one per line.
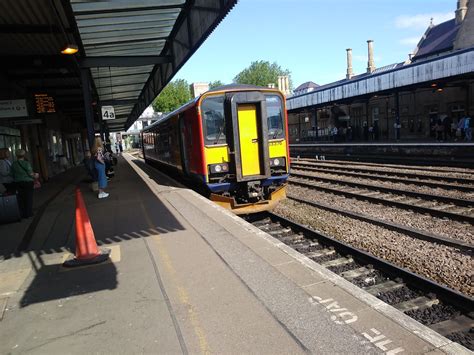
[9, 210]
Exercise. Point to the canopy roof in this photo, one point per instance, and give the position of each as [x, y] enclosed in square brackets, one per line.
[132, 49]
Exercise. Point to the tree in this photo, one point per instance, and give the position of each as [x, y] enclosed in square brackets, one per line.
[215, 84]
[174, 95]
[261, 73]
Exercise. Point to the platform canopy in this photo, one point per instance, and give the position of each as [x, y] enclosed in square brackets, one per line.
[130, 49]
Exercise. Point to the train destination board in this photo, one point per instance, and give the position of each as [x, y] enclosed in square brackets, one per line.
[44, 103]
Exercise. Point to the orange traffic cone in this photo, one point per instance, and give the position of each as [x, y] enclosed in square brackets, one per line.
[87, 251]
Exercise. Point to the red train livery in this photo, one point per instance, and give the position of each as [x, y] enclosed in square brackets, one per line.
[232, 140]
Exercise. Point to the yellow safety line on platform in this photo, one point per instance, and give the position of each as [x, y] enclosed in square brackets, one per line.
[183, 294]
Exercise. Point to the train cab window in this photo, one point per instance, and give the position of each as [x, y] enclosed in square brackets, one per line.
[212, 109]
[275, 117]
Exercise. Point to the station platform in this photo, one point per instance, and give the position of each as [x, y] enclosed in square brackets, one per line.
[185, 276]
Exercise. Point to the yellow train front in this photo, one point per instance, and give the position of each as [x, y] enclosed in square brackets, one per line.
[234, 141]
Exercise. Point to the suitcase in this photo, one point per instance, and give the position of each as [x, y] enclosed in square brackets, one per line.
[9, 210]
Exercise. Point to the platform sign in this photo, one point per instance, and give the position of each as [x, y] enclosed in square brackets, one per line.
[44, 103]
[108, 113]
[13, 108]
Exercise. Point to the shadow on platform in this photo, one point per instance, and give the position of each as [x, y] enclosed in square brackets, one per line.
[52, 282]
[132, 211]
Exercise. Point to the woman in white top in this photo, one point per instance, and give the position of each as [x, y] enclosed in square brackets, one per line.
[6, 177]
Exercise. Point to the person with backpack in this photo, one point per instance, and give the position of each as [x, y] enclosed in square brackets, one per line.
[468, 128]
[24, 177]
[5, 171]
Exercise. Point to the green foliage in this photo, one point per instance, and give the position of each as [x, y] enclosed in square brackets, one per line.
[215, 84]
[261, 73]
[174, 95]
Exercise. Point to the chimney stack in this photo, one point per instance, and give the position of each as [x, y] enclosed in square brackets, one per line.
[461, 11]
[370, 63]
[350, 73]
[284, 84]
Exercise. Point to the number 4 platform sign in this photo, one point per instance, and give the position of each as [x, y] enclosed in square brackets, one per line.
[108, 113]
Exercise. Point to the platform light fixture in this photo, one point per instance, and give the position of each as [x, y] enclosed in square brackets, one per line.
[434, 85]
[70, 49]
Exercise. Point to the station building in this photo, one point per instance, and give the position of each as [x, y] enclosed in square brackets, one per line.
[399, 101]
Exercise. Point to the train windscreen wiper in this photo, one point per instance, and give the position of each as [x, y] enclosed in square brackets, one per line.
[221, 130]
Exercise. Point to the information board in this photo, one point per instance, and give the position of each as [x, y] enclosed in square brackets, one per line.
[108, 113]
[13, 108]
[44, 103]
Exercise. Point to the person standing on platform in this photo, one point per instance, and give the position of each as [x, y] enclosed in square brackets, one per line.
[6, 171]
[468, 128]
[23, 176]
[99, 162]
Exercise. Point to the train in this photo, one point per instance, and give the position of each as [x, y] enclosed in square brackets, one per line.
[232, 141]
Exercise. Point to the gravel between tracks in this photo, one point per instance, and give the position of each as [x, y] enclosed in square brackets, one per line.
[446, 228]
[442, 264]
[390, 184]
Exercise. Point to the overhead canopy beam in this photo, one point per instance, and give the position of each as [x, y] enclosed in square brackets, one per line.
[124, 61]
[33, 29]
[104, 8]
[119, 102]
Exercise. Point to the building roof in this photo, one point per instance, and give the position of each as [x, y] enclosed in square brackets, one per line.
[437, 39]
[387, 78]
[307, 85]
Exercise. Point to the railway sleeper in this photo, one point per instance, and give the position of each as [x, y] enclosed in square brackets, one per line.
[352, 274]
[461, 323]
[271, 227]
[291, 238]
[320, 253]
[384, 287]
[337, 262]
[417, 303]
[280, 231]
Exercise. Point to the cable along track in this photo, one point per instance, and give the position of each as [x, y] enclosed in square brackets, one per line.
[462, 209]
[446, 311]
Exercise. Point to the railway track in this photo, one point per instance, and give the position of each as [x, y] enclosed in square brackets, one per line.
[401, 177]
[446, 311]
[384, 159]
[435, 205]
[415, 233]
[426, 168]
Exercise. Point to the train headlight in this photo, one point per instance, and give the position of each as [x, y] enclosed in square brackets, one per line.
[218, 168]
[281, 161]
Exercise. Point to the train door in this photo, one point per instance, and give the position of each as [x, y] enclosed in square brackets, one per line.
[249, 140]
[249, 133]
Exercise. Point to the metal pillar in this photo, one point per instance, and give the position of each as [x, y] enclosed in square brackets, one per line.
[316, 135]
[86, 92]
[397, 116]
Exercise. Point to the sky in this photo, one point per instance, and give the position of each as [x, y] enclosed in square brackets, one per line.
[310, 37]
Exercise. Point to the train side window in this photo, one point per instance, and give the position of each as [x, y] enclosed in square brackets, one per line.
[212, 109]
[275, 117]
